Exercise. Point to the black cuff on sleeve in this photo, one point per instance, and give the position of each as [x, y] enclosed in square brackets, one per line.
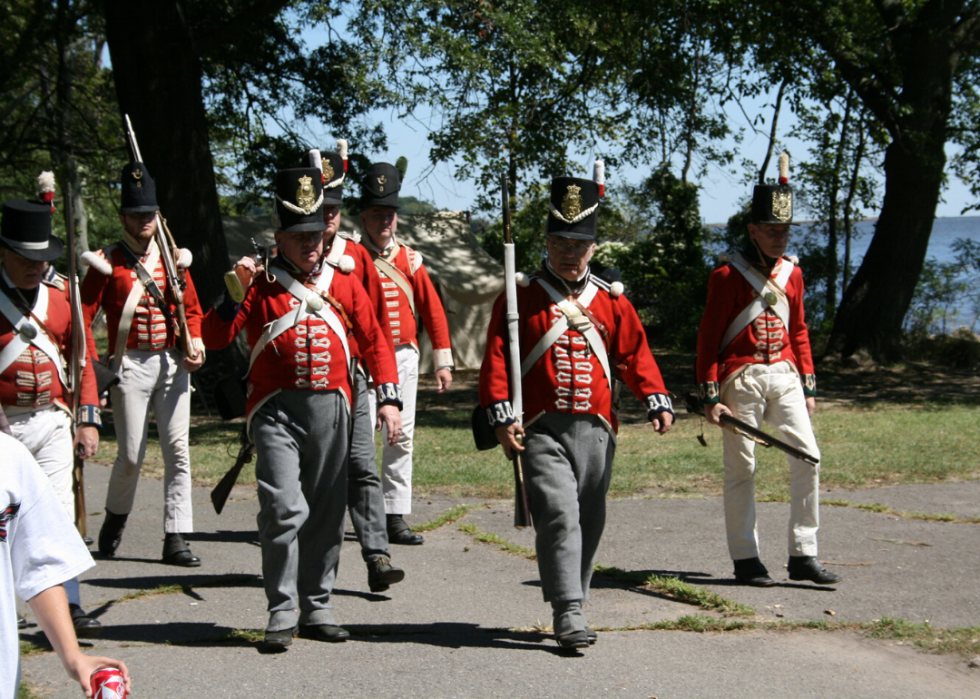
[389, 394]
[658, 403]
[500, 414]
[227, 309]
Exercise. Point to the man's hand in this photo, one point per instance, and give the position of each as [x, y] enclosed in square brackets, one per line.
[195, 362]
[507, 435]
[390, 417]
[86, 441]
[246, 269]
[714, 411]
[811, 405]
[444, 379]
[662, 422]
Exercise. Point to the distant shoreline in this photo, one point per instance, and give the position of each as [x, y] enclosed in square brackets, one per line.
[856, 220]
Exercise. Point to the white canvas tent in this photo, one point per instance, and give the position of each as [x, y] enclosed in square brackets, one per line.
[467, 278]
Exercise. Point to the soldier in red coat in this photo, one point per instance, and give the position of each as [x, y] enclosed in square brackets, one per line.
[408, 294]
[127, 280]
[577, 333]
[35, 348]
[365, 499]
[754, 362]
[298, 317]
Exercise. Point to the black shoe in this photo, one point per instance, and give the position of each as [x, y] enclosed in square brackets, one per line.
[111, 533]
[324, 632]
[382, 575]
[85, 626]
[176, 552]
[809, 568]
[750, 571]
[400, 533]
[592, 636]
[575, 639]
[278, 641]
[21, 622]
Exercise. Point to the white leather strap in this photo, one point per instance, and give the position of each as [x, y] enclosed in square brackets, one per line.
[397, 276]
[301, 293]
[132, 301]
[775, 286]
[591, 335]
[41, 340]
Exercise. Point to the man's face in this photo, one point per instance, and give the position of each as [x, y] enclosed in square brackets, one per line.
[772, 238]
[142, 225]
[25, 274]
[331, 219]
[569, 258]
[380, 223]
[302, 249]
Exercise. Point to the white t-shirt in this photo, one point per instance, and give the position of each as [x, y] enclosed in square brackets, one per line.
[39, 548]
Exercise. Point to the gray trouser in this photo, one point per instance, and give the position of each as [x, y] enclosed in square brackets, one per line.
[567, 464]
[301, 468]
[364, 497]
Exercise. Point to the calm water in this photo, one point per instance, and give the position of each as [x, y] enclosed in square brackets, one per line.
[944, 232]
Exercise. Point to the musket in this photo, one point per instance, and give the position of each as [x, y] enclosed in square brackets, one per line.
[77, 361]
[522, 508]
[167, 245]
[768, 440]
[754, 433]
[219, 496]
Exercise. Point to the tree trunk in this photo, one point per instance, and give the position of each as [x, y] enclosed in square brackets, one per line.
[874, 305]
[158, 83]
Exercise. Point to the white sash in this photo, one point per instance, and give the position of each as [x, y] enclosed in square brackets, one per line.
[561, 325]
[396, 275]
[132, 301]
[774, 285]
[41, 340]
[291, 319]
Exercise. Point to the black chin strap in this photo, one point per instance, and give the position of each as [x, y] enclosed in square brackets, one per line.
[755, 255]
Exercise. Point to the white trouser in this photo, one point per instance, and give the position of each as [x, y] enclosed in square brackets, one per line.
[157, 380]
[396, 461]
[770, 393]
[47, 435]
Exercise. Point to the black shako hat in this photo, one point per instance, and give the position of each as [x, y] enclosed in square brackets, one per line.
[380, 186]
[139, 191]
[26, 229]
[299, 200]
[773, 203]
[573, 208]
[331, 164]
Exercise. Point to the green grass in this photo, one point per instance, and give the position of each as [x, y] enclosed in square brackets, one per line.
[27, 691]
[453, 514]
[498, 541]
[877, 507]
[679, 590]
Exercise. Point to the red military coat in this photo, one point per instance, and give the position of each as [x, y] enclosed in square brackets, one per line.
[363, 269]
[398, 312]
[32, 380]
[310, 355]
[766, 340]
[108, 283]
[569, 378]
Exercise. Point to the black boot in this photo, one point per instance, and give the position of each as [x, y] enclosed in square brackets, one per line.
[85, 626]
[809, 568]
[382, 575]
[400, 533]
[176, 552]
[21, 622]
[750, 571]
[111, 533]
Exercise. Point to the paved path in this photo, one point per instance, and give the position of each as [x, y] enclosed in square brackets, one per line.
[462, 623]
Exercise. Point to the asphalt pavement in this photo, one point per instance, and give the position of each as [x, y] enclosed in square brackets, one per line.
[466, 621]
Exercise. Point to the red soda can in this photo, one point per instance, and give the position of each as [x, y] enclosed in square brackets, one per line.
[108, 683]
